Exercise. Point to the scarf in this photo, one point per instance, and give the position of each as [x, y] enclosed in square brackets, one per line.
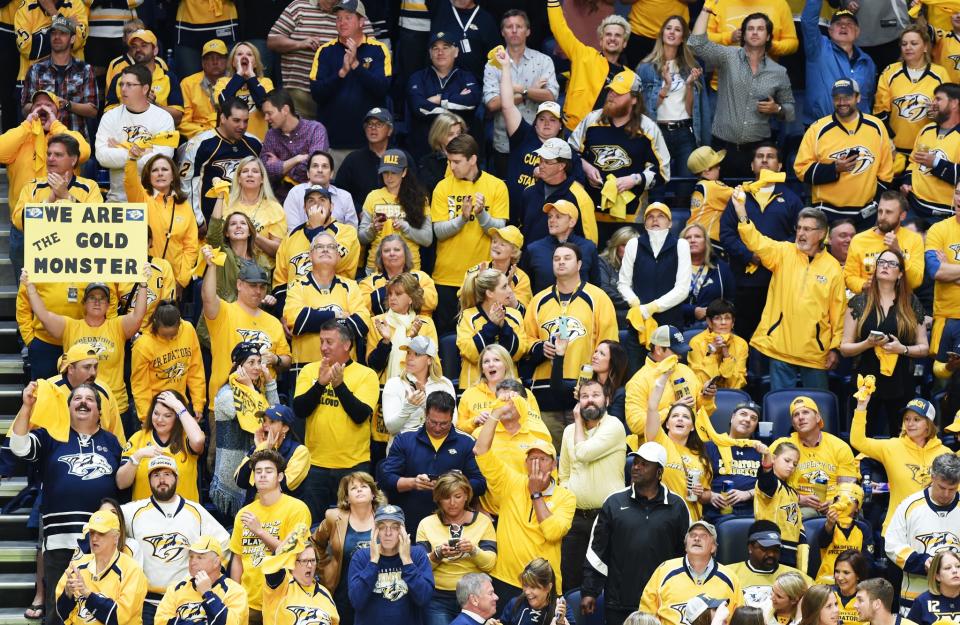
[612, 201]
[401, 327]
[39, 148]
[247, 402]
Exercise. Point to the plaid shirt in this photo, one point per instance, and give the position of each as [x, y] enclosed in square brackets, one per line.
[75, 83]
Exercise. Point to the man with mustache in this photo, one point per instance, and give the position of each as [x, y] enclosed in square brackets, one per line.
[846, 158]
[802, 321]
[933, 173]
[591, 465]
[886, 235]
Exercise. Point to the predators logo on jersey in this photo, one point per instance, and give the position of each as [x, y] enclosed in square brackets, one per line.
[175, 371]
[955, 58]
[913, 106]
[309, 616]
[259, 337]
[865, 158]
[192, 612]
[168, 547]
[937, 154]
[935, 542]
[610, 157]
[87, 466]
[571, 326]
[920, 475]
[791, 512]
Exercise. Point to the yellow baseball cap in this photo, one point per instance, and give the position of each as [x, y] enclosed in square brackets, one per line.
[658, 206]
[214, 45]
[803, 401]
[566, 207]
[207, 544]
[541, 445]
[53, 97]
[102, 521]
[703, 158]
[510, 234]
[75, 354]
[625, 82]
[143, 35]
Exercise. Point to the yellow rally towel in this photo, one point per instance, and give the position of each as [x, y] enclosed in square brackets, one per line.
[948, 6]
[612, 201]
[766, 177]
[288, 550]
[866, 386]
[216, 7]
[492, 57]
[51, 412]
[644, 327]
[220, 188]
[247, 402]
[887, 360]
[39, 147]
[167, 139]
[219, 258]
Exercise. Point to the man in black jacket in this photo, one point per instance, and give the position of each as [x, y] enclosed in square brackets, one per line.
[637, 529]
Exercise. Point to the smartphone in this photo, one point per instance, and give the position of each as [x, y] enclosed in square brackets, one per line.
[432, 477]
[877, 334]
[453, 543]
[712, 381]
[853, 152]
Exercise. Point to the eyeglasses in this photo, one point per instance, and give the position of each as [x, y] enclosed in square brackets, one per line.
[889, 264]
[130, 84]
[376, 124]
[440, 425]
[309, 562]
[326, 246]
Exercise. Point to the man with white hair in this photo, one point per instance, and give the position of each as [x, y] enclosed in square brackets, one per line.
[206, 595]
[620, 559]
[478, 601]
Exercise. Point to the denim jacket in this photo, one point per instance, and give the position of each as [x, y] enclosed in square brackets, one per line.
[650, 82]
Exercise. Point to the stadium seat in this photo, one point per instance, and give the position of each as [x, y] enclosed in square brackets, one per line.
[689, 334]
[776, 409]
[732, 539]
[450, 357]
[573, 600]
[727, 399]
[811, 527]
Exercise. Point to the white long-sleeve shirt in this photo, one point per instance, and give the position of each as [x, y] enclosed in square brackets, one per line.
[681, 288]
[344, 210]
[121, 124]
[399, 415]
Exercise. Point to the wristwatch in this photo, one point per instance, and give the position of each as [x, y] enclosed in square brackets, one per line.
[536, 496]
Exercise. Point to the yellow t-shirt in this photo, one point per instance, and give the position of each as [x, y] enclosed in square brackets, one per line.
[108, 341]
[820, 466]
[269, 220]
[471, 245]
[232, 326]
[186, 466]
[334, 439]
[681, 461]
[277, 520]
[381, 199]
[480, 532]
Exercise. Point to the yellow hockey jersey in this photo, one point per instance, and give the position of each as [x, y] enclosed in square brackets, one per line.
[904, 103]
[309, 306]
[672, 585]
[182, 603]
[867, 245]
[475, 331]
[116, 594]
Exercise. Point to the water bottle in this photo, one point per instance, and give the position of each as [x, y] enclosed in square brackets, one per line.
[867, 488]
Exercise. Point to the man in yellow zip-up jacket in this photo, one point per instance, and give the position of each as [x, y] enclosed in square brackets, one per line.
[590, 70]
[802, 322]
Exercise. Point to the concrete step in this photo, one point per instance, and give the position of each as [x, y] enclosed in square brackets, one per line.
[11, 398]
[14, 526]
[14, 616]
[11, 364]
[14, 551]
[5, 239]
[8, 298]
[10, 488]
[16, 590]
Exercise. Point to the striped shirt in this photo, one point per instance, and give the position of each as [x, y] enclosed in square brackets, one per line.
[737, 119]
[107, 16]
[299, 21]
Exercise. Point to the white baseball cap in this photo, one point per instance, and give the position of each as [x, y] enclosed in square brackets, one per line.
[554, 148]
[651, 452]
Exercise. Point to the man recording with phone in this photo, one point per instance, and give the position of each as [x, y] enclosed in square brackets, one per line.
[846, 158]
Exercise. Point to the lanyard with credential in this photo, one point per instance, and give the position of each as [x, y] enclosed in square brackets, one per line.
[465, 43]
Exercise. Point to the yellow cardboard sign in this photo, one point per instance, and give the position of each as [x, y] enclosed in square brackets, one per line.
[85, 242]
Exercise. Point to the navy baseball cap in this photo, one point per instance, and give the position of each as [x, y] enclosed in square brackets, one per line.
[672, 337]
[443, 36]
[279, 412]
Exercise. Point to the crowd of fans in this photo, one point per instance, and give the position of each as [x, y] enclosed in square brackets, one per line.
[460, 313]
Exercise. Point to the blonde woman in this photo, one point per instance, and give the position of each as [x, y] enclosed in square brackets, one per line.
[710, 278]
[610, 260]
[405, 394]
[392, 258]
[245, 80]
[393, 329]
[496, 365]
[252, 195]
[433, 166]
[460, 540]
[486, 317]
[345, 529]
[783, 605]
[505, 248]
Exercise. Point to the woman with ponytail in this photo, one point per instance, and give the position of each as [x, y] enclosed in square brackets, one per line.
[488, 315]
